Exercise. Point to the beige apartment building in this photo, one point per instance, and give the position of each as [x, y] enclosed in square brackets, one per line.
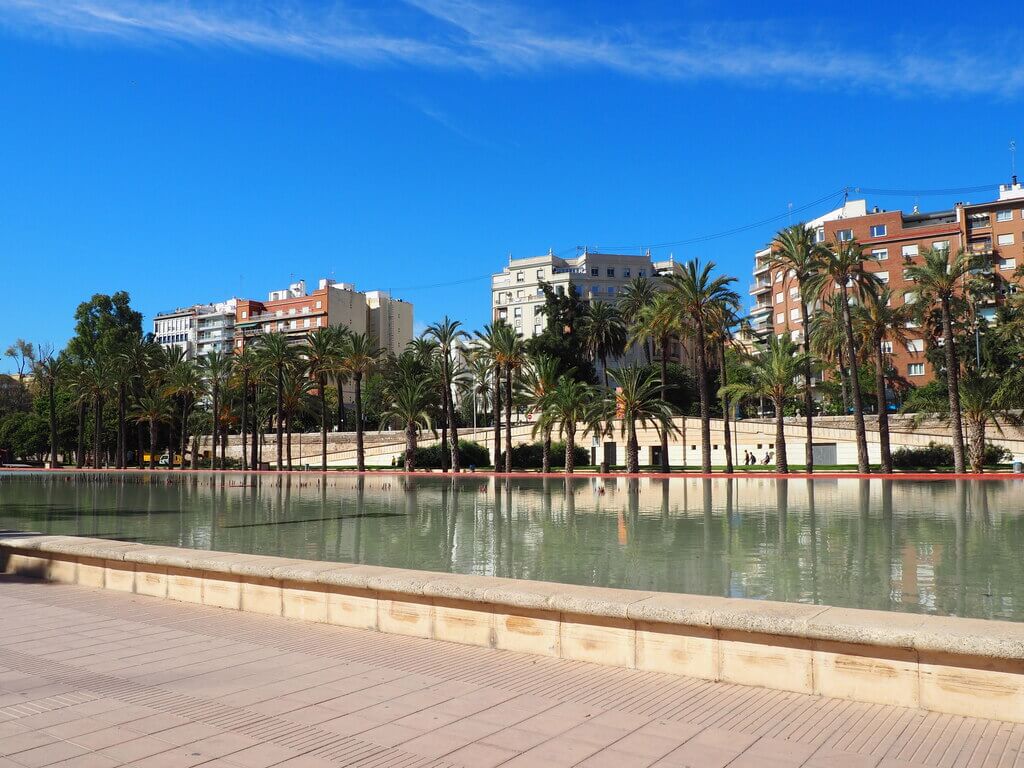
[388, 321]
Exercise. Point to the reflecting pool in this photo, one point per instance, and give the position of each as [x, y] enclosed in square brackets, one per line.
[944, 547]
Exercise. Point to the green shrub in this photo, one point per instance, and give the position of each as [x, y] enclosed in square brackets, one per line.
[429, 457]
[935, 455]
[531, 455]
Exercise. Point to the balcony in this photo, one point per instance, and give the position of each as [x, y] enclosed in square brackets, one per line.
[760, 286]
[761, 309]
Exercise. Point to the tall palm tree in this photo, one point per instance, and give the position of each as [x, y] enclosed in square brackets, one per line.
[637, 398]
[246, 366]
[637, 295]
[658, 323]
[569, 404]
[795, 251]
[840, 270]
[215, 367]
[185, 382]
[276, 355]
[604, 333]
[166, 361]
[78, 377]
[478, 374]
[489, 340]
[723, 319]
[511, 355]
[698, 296]
[323, 356]
[136, 366]
[939, 278]
[447, 333]
[540, 376]
[98, 380]
[360, 357]
[153, 408]
[295, 399]
[828, 340]
[409, 405]
[49, 369]
[876, 320]
[773, 374]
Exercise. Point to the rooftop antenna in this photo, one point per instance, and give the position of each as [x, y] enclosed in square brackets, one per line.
[1013, 161]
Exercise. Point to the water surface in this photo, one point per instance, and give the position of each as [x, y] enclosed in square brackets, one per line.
[943, 547]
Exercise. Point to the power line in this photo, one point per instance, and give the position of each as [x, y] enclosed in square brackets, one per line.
[923, 192]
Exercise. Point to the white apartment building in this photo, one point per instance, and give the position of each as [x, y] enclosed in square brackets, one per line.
[517, 299]
[197, 330]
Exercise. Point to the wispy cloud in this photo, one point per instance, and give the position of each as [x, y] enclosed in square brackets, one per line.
[504, 38]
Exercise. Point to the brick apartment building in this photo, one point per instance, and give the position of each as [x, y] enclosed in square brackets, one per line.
[892, 240]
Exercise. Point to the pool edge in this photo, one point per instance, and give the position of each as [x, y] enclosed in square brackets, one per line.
[970, 667]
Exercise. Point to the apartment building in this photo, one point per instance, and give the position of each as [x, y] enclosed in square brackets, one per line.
[294, 312]
[388, 321]
[891, 241]
[197, 330]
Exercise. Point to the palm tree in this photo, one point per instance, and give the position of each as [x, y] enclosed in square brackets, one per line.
[295, 397]
[511, 354]
[604, 333]
[698, 296]
[360, 357]
[540, 376]
[216, 367]
[478, 375]
[659, 322]
[153, 408]
[939, 279]
[79, 386]
[49, 369]
[276, 355]
[795, 251]
[323, 356]
[876, 321]
[637, 295]
[827, 341]
[98, 381]
[409, 405]
[185, 381]
[570, 403]
[840, 270]
[637, 398]
[773, 374]
[489, 341]
[135, 369]
[723, 319]
[246, 365]
[446, 333]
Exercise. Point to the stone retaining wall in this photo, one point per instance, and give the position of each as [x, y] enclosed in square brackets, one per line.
[950, 665]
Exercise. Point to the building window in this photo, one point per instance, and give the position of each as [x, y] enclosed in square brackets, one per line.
[517, 312]
[941, 245]
[883, 276]
[909, 297]
[611, 289]
[1004, 215]
[244, 314]
[915, 369]
[291, 311]
[595, 272]
[536, 330]
[610, 272]
[627, 272]
[844, 235]
[780, 318]
[305, 310]
[239, 345]
[909, 251]
[1005, 239]
[819, 237]
[318, 321]
[778, 298]
[642, 273]
[540, 274]
[520, 294]
[915, 345]
[887, 347]
[319, 305]
[794, 291]
[794, 314]
[520, 277]
[778, 276]
[1008, 264]
[305, 323]
[292, 324]
[878, 230]
[879, 254]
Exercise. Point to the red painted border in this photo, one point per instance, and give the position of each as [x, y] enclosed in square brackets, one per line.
[556, 475]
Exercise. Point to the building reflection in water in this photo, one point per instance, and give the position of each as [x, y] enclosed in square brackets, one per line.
[946, 547]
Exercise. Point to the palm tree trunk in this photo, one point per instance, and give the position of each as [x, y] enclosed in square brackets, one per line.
[410, 447]
[360, 454]
[152, 443]
[781, 459]
[545, 455]
[705, 406]
[443, 454]
[632, 450]
[245, 422]
[341, 406]
[808, 396]
[508, 418]
[863, 465]
[97, 430]
[80, 457]
[976, 438]
[213, 439]
[883, 413]
[280, 416]
[184, 427]
[953, 381]
[323, 421]
[53, 424]
[288, 442]
[725, 409]
[844, 386]
[570, 448]
[256, 430]
[663, 433]
[604, 369]
[122, 397]
[496, 407]
[452, 426]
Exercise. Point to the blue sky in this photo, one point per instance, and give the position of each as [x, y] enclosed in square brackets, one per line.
[192, 151]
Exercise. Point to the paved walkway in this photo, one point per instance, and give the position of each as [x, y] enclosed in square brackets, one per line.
[91, 679]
